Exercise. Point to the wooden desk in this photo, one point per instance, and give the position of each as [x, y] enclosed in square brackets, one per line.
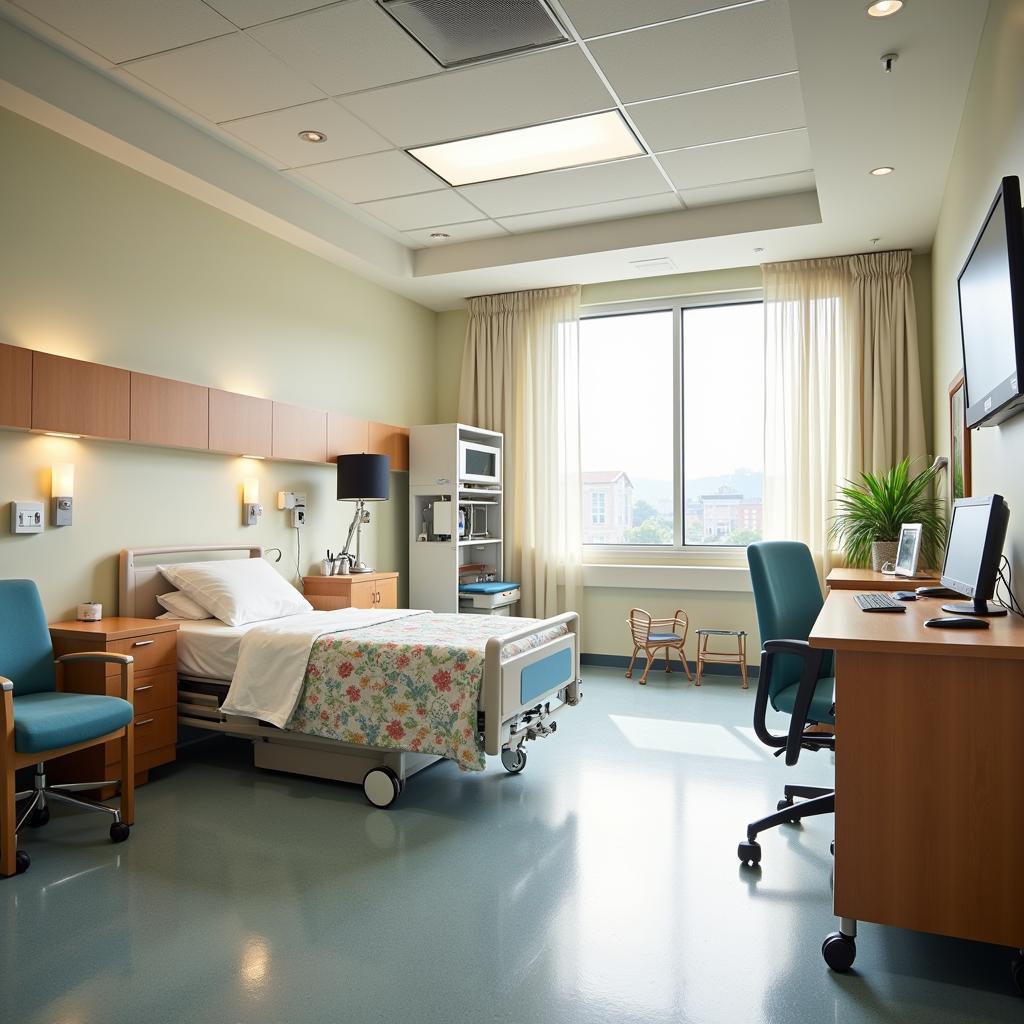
[929, 770]
[866, 581]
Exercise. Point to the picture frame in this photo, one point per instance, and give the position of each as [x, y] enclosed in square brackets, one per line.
[908, 550]
[959, 441]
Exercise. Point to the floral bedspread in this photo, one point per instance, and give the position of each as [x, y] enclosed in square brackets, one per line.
[409, 684]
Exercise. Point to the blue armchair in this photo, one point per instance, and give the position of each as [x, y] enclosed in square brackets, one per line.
[795, 678]
[39, 722]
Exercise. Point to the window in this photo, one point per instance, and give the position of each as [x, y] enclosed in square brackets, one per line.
[672, 418]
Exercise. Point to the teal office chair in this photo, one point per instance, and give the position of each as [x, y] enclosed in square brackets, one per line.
[39, 722]
[795, 678]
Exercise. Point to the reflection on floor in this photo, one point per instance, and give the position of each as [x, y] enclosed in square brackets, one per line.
[600, 885]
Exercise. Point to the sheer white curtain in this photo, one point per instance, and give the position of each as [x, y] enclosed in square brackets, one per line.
[520, 375]
[842, 385]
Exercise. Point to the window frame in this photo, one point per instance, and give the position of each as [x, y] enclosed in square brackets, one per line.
[678, 552]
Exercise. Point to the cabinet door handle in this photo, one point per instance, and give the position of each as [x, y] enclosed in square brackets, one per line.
[140, 689]
[144, 721]
[143, 643]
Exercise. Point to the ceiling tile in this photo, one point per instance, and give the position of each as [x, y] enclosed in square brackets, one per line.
[758, 188]
[536, 87]
[378, 176]
[245, 13]
[717, 115]
[347, 47]
[123, 29]
[592, 17]
[666, 203]
[226, 78]
[277, 133]
[739, 161]
[578, 186]
[722, 48]
[423, 211]
[459, 233]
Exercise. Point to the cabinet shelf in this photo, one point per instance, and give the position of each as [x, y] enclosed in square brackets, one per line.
[480, 540]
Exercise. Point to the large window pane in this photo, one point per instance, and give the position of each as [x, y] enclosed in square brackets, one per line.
[723, 423]
[626, 414]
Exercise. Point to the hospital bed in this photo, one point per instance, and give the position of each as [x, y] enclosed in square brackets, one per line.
[531, 676]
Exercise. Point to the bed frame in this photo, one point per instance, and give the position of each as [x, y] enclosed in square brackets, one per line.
[520, 699]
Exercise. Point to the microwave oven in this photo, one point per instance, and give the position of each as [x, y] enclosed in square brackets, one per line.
[479, 464]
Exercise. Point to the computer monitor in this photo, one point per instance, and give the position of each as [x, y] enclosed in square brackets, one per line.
[975, 546]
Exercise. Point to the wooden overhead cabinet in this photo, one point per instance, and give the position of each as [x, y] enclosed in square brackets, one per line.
[299, 433]
[346, 435]
[240, 424]
[169, 412]
[386, 439]
[74, 397]
[15, 387]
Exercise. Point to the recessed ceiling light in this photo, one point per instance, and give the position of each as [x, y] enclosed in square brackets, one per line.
[590, 139]
[439, 234]
[310, 135]
[880, 172]
[883, 8]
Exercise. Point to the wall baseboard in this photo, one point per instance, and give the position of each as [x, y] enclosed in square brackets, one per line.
[622, 661]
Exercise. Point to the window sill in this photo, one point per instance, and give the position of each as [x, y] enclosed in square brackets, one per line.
[732, 579]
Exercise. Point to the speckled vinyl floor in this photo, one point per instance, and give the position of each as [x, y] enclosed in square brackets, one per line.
[600, 885]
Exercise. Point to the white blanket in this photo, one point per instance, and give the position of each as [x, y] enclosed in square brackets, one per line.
[272, 659]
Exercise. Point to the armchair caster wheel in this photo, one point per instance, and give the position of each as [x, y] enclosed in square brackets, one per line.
[514, 761]
[119, 832]
[39, 817]
[21, 863]
[839, 951]
[832, 847]
[785, 802]
[1017, 973]
[382, 787]
[749, 852]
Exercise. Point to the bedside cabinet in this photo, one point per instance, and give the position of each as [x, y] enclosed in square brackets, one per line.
[364, 590]
[154, 646]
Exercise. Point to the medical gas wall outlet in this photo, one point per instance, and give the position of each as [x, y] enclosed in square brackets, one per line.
[294, 501]
[26, 517]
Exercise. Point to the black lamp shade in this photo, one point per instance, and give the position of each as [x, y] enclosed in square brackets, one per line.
[364, 476]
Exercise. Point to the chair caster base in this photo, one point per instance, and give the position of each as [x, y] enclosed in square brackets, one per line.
[839, 951]
[21, 863]
[749, 852]
[39, 817]
[119, 832]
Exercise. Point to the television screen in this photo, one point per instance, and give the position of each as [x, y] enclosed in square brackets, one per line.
[991, 290]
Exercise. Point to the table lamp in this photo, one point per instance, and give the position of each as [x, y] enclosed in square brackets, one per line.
[362, 478]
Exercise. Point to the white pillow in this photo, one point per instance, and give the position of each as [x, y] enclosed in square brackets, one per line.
[238, 590]
[181, 606]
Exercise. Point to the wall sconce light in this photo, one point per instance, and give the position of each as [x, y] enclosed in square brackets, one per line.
[62, 490]
[251, 507]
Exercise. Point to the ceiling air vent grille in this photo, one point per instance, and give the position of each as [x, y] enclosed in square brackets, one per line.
[654, 265]
[457, 32]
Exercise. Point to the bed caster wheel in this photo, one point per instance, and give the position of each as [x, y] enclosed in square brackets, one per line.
[749, 853]
[21, 862]
[513, 761]
[119, 832]
[39, 817]
[784, 803]
[382, 787]
[839, 951]
[1017, 973]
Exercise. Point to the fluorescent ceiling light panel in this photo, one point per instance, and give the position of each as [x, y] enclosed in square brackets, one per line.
[594, 138]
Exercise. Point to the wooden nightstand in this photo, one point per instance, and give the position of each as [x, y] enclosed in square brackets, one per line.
[154, 646]
[364, 590]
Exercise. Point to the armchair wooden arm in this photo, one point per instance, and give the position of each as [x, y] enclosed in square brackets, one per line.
[126, 661]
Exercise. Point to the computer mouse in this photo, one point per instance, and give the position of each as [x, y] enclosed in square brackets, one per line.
[957, 622]
[905, 595]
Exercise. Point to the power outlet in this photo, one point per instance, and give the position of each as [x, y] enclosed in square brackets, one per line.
[26, 517]
[299, 516]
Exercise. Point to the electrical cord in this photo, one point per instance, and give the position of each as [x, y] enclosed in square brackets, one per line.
[1005, 580]
[298, 556]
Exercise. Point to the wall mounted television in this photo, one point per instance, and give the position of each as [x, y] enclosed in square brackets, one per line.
[991, 291]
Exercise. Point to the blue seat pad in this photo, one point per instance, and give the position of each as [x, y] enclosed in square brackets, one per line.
[665, 638]
[821, 703]
[47, 721]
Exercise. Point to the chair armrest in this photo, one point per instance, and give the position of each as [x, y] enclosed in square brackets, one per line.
[6, 685]
[126, 661]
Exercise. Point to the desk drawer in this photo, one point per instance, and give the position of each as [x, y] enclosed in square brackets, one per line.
[155, 690]
[151, 651]
[155, 729]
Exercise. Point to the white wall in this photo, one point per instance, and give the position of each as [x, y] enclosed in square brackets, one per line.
[989, 147]
[102, 263]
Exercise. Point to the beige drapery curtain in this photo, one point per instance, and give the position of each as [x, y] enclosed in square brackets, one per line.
[842, 385]
[520, 375]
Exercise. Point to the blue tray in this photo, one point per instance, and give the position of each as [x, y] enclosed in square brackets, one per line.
[495, 587]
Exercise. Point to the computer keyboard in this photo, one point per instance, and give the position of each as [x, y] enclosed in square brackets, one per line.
[878, 603]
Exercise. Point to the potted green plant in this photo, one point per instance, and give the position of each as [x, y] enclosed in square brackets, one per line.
[866, 525]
